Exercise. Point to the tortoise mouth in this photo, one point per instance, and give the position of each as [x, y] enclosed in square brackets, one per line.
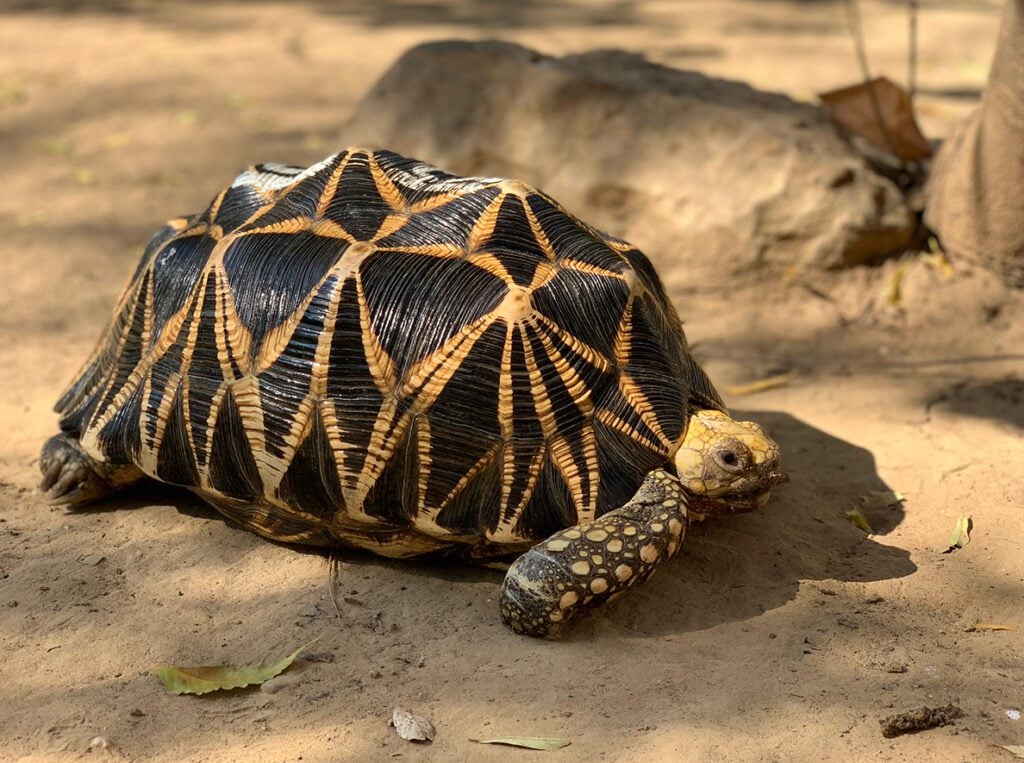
[701, 506]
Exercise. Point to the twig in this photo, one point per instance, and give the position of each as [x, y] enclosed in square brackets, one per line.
[912, 8]
[853, 22]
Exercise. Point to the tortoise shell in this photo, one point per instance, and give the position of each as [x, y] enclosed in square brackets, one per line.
[374, 352]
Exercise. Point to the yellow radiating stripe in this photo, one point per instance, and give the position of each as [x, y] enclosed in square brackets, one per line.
[291, 225]
[433, 250]
[427, 521]
[234, 340]
[330, 229]
[327, 195]
[612, 421]
[382, 368]
[483, 229]
[639, 402]
[491, 264]
[100, 418]
[424, 462]
[393, 222]
[539, 234]
[585, 351]
[506, 411]
[586, 267]
[215, 205]
[386, 187]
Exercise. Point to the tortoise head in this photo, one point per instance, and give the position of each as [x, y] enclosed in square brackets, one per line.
[727, 466]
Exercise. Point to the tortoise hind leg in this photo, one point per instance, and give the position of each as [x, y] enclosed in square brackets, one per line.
[584, 566]
[73, 477]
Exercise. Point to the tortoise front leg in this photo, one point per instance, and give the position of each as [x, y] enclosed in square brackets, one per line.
[582, 567]
[73, 477]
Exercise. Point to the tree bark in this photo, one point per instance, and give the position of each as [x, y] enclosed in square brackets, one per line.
[975, 194]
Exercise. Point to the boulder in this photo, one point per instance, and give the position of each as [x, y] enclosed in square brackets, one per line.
[717, 182]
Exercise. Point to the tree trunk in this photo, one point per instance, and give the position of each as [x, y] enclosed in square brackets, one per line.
[975, 195]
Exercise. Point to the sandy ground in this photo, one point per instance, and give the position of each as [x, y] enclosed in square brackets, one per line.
[783, 635]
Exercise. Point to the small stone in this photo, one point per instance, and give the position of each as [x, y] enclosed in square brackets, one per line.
[277, 683]
[310, 610]
[92, 560]
[318, 656]
[137, 713]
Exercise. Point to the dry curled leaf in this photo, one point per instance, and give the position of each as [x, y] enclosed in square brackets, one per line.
[1016, 749]
[208, 678]
[760, 385]
[412, 727]
[961, 534]
[529, 743]
[854, 108]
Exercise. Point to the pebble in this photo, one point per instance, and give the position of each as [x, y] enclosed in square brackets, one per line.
[278, 682]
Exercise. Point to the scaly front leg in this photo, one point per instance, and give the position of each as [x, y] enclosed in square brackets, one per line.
[584, 566]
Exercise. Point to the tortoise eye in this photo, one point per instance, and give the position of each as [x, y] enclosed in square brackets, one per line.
[732, 457]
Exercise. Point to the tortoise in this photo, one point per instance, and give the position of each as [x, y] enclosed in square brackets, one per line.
[374, 353]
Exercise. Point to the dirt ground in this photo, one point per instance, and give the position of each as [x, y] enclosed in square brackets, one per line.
[781, 635]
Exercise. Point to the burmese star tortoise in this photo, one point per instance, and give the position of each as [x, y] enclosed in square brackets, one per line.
[374, 353]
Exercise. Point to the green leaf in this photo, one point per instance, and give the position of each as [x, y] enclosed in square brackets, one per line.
[857, 520]
[207, 678]
[530, 743]
[961, 534]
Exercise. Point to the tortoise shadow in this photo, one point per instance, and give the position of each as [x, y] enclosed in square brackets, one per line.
[730, 569]
[739, 567]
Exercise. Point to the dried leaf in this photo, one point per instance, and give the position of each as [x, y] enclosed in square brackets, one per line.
[770, 382]
[854, 108]
[961, 534]
[237, 100]
[1016, 749]
[937, 258]
[530, 743]
[854, 517]
[894, 292]
[59, 147]
[188, 118]
[991, 627]
[412, 727]
[84, 176]
[13, 92]
[202, 680]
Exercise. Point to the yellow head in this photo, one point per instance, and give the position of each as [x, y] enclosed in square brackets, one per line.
[727, 466]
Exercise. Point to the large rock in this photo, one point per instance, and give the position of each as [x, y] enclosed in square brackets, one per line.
[734, 182]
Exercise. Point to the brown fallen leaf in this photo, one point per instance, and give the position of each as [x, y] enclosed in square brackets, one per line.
[760, 385]
[529, 743]
[414, 728]
[990, 627]
[894, 290]
[854, 108]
